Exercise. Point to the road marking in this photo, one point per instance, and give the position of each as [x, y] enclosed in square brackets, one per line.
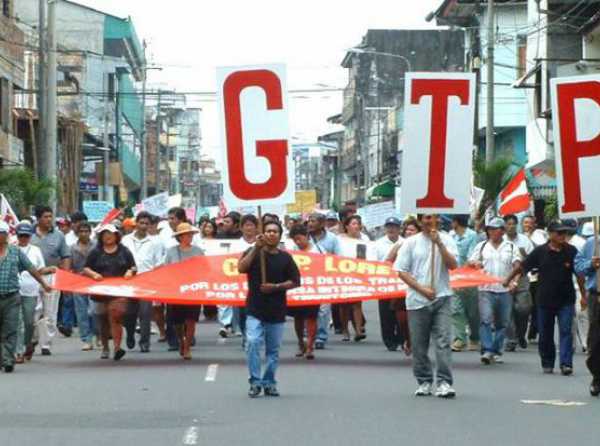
[211, 373]
[191, 436]
[560, 403]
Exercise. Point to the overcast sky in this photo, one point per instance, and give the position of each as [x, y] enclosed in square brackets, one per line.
[190, 38]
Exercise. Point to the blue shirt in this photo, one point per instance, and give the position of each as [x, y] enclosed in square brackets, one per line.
[328, 243]
[465, 244]
[583, 264]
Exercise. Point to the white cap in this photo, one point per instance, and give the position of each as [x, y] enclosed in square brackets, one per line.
[108, 227]
[4, 227]
[588, 229]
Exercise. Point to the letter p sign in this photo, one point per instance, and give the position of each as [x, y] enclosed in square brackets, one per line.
[257, 162]
[576, 118]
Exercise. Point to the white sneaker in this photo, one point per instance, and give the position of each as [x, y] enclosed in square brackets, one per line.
[223, 333]
[445, 390]
[423, 390]
[498, 359]
[487, 358]
[87, 346]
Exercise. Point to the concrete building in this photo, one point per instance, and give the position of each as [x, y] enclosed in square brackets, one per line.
[373, 103]
[12, 79]
[100, 61]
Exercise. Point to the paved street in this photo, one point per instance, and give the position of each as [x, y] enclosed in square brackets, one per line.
[352, 395]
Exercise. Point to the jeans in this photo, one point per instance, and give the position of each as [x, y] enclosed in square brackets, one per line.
[26, 325]
[323, 323]
[84, 319]
[425, 323]
[9, 321]
[465, 311]
[546, 346]
[522, 304]
[593, 339]
[494, 309]
[225, 315]
[257, 333]
[66, 311]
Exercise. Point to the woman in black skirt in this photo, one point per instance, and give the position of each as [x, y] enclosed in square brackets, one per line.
[305, 316]
[184, 317]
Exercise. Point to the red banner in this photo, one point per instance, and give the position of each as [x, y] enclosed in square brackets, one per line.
[215, 280]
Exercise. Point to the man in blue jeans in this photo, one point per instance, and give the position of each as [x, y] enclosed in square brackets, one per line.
[266, 304]
[496, 257]
[555, 261]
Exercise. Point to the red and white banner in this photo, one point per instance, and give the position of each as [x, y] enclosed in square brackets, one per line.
[515, 198]
[576, 118]
[438, 146]
[215, 280]
[258, 167]
[7, 214]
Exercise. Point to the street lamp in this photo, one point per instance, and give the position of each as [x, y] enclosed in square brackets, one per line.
[380, 53]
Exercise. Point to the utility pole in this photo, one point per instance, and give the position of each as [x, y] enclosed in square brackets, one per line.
[143, 161]
[157, 161]
[106, 196]
[41, 86]
[52, 122]
[489, 131]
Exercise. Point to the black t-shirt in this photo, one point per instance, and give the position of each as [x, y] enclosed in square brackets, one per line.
[280, 268]
[556, 268]
[110, 265]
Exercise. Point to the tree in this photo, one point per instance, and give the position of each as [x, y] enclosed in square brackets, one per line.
[23, 190]
[492, 178]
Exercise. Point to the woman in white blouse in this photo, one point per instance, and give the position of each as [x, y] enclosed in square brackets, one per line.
[354, 244]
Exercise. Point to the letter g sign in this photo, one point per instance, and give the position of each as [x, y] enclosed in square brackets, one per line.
[262, 121]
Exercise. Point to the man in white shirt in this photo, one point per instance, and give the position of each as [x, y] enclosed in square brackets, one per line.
[496, 257]
[516, 332]
[29, 289]
[423, 263]
[391, 332]
[148, 253]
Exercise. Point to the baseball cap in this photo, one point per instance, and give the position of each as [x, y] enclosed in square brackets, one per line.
[24, 229]
[588, 229]
[392, 221]
[495, 223]
[331, 215]
[109, 228]
[558, 226]
[4, 228]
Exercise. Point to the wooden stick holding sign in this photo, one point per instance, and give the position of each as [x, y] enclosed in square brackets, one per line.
[263, 260]
[596, 248]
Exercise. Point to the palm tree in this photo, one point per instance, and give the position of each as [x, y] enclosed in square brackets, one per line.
[492, 178]
[23, 190]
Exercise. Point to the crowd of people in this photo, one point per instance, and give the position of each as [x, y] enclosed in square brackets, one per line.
[548, 278]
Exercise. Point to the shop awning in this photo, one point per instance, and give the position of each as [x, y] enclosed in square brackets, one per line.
[386, 189]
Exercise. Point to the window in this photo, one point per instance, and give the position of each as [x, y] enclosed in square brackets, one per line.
[521, 55]
[5, 104]
[6, 7]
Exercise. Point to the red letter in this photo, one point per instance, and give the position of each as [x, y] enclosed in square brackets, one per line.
[274, 150]
[572, 150]
[440, 91]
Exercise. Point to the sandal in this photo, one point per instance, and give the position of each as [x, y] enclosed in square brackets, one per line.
[310, 356]
[301, 350]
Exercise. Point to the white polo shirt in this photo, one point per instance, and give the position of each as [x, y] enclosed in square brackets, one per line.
[149, 252]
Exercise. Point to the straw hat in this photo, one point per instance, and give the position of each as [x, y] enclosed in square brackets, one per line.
[185, 228]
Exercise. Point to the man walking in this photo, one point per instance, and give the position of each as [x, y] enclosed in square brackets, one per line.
[555, 298]
[465, 309]
[587, 264]
[423, 263]
[391, 332]
[516, 332]
[148, 254]
[56, 255]
[496, 257]
[13, 261]
[326, 243]
[266, 305]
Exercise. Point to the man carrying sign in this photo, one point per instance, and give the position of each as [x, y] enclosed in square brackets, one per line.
[266, 305]
[423, 263]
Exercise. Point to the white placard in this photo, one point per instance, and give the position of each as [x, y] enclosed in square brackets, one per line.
[438, 145]
[375, 215]
[157, 204]
[258, 167]
[576, 119]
